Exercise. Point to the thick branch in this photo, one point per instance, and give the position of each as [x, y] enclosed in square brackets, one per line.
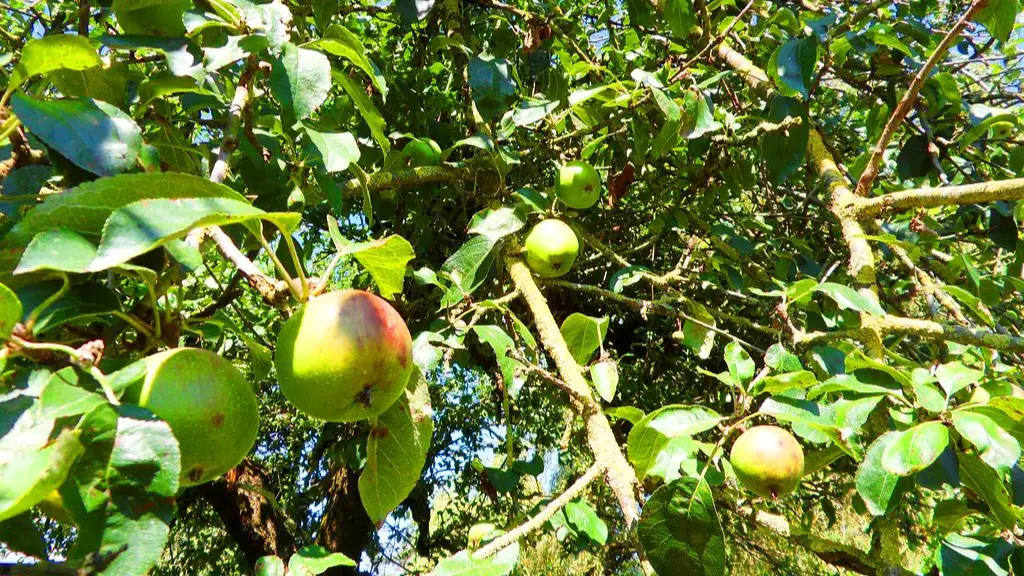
[505, 540]
[937, 197]
[618, 472]
[867, 178]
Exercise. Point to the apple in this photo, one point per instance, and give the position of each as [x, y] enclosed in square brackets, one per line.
[208, 404]
[344, 356]
[551, 248]
[578, 185]
[422, 152]
[768, 461]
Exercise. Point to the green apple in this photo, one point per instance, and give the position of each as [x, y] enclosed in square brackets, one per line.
[207, 403]
[578, 185]
[422, 152]
[344, 356]
[768, 461]
[551, 248]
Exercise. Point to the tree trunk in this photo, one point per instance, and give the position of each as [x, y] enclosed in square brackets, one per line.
[345, 526]
[250, 519]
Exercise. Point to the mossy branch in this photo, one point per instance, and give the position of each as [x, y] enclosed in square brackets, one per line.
[937, 197]
[892, 324]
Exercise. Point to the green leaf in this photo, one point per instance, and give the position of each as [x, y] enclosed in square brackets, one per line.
[159, 87]
[155, 17]
[339, 41]
[42, 56]
[927, 394]
[783, 152]
[981, 556]
[851, 299]
[954, 377]
[532, 111]
[915, 449]
[584, 335]
[147, 224]
[300, 80]
[93, 134]
[631, 275]
[366, 108]
[86, 208]
[462, 564]
[875, 485]
[605, 376]
[778, 358]
[649, 436]
[184, 58]
[792, 66]
[63, 396]
[10, 311]
[973, 303]
[28, 476]
[679, 16]
[127, 485]
[500, 342]
[778, 383]
[585, 520]
[83, 301]
[312, 560]
[397, 450]
[491, 85]
[812, 421]
[269, 566]
[996, 446]
[987, 484]
[333, 150]
[386, 260]
[696, 336]
[999, 16]
[680, 530]
[470, 264]
[496, 223]
[741, 365]
[107, 84]
[59, 249]
[630, 414]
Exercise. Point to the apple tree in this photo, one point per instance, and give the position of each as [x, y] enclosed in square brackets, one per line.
[494, 287]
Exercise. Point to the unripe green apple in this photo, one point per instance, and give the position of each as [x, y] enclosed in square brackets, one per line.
[344, 356]
[423, 152]
[578, 185]
[1001, 130]
[768, 461]
[207, 403]
[551, 248]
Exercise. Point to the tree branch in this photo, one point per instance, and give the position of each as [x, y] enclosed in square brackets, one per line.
[892, 324]
[618, 472]
[937, 197]
[867, 178]
[506, 539]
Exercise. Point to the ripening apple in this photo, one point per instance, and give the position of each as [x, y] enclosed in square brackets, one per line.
[422, 152]
[207, 403]
[344, 356]
[578, 185]
[768, 461]
[551, 248]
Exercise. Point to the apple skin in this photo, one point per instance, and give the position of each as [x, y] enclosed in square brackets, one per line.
[422, 152]
[768, 461]
[209, 406]
[551, 248]
[578, 185]
[344, 356]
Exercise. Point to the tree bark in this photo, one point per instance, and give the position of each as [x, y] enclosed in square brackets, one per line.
[250, 519]
[345, 526]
